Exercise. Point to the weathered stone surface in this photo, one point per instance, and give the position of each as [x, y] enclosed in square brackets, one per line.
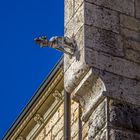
[75, 27]
[97, 120]
[74, 128]
[102, 135]
[122, 135]
[108, 43]
[119, 87]
[132, 55]
[71, 7]
[101, 17]
[77, 4]
[61, 110]
[75, 73]
[74, 112]
[62, 138]
[130, 35]
[51, 123]
[103, 40]
[68, 10]
[119, 117]
[76, 66]
[75, 23]
[132, 50]
[86, 138]
[124, 115]
[137, 7]
[47, 137]
[79, 38]
[85, 129]
[89, 93]
[112, 64]
[59, 135]
[130, 22]
[123, 6]
[75, 137]
[58, 127]
[133, 45]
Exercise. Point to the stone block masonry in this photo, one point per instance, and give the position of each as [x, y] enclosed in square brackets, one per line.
[122, 6]
[54, 128]
[104, 73]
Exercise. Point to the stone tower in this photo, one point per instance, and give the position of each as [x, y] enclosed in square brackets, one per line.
[104, 73]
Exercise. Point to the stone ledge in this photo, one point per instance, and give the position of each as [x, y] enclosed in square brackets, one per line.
[89, 93]
[112, 64]
[98, 84]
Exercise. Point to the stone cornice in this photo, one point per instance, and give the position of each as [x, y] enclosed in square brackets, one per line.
[46, 97]
[39, 126]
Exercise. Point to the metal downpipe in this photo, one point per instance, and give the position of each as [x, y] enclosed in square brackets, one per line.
[67, 116]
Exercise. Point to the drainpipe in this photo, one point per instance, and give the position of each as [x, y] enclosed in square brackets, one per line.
[80, 124]
[67, 116]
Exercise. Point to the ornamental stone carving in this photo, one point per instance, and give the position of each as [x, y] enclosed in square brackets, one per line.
[58, 95]
[38, 119]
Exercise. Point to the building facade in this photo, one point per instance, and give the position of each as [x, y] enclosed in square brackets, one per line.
[102, 77]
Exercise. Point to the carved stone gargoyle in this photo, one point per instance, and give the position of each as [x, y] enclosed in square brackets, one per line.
[63, 44]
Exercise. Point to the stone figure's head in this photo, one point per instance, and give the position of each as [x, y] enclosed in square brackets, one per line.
[42, 41]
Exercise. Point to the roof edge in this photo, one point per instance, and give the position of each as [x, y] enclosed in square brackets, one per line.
[33, 99]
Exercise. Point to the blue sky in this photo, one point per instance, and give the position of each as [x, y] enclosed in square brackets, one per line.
[23, 65]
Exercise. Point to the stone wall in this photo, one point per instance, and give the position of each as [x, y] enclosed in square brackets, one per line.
[115, 120]
[112, 36]
[104, 73]
[107, 35]
[54, 129]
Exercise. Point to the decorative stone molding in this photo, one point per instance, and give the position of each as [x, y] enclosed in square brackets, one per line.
[38, 119]
[21, 138]
[97, 84]
[46, 91]
[58, 95]
[89, 93]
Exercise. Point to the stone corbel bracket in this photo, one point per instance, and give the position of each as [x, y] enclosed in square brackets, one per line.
[58, 95]
[38, 118]
[89, 93]
[98, 84]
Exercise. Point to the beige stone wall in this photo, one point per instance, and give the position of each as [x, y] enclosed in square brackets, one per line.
[53, 130]
[107, 33]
